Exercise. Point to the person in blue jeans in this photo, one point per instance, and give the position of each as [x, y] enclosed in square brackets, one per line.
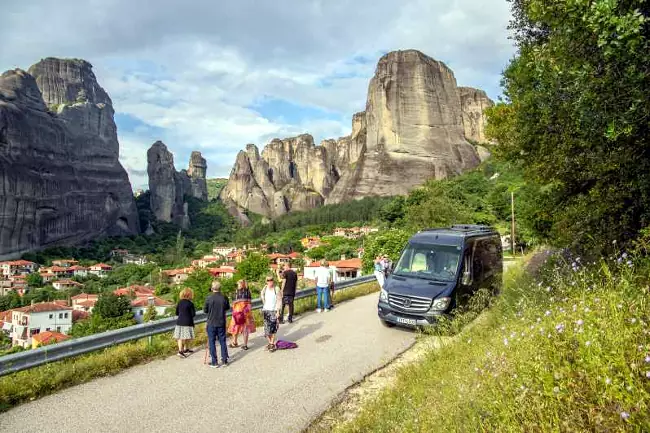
[215, 309]
[323, 278]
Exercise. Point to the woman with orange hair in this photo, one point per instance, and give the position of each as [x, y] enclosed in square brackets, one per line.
[184, 330]
[242, 320]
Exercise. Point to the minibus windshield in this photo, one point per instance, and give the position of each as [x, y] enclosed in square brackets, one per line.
[429, 261]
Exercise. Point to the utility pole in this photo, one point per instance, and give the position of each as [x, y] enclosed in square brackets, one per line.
[512, 218]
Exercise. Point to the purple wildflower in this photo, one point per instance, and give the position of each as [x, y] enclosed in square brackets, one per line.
[625, 415]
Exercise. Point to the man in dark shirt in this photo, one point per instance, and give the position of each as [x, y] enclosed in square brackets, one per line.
[289, 283]
[215, 308]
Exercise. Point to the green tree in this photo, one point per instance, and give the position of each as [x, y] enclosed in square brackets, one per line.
[389, 242]
[110, 306]
[253, 267]
[34, 280]
[576, 114]
[199, 281]
[150, 314]
[9, 301]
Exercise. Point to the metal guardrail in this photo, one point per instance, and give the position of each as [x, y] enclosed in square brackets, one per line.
[78, 346]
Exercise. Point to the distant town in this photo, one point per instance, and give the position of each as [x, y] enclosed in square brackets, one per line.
[50, 321]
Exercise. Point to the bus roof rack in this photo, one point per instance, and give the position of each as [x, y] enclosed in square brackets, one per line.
[472, 227]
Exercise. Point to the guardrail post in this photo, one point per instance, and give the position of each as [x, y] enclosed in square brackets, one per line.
[150, 339]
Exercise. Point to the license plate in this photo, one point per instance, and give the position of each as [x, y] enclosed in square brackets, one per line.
[406, 321]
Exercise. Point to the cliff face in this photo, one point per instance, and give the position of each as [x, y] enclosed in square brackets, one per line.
[169, 187]
[413, 129]
[474, 102]
[61, 179]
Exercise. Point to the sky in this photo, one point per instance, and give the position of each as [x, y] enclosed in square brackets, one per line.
[214, 75]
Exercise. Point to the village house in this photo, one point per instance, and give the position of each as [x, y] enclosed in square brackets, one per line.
[17, 267]
[177, 276]
[366, 230]
[84, 302]
[119, 253]
[134, 291]
[223, 250]
[139, 306]
[134, 260]
[58, 271]
[15, 283]
[341, 232]
[236, 256]
[222, 272]
[341, 270]
[36, 318]
[65, 284]
[101, 270]
[48, 337]
[206, 261]
[79, 271]
[279, 259]
[310, 242]
[65, 263]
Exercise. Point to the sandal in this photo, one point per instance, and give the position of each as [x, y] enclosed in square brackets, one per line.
[272, 348]
[244, 348]
[233, 345]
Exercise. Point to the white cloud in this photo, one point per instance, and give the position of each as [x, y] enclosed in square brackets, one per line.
[191, 70]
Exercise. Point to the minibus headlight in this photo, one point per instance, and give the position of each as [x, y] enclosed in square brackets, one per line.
[440, 304]
[383, 295]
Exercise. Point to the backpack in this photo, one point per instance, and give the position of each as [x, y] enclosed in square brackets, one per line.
[281, 344]
[239, 317]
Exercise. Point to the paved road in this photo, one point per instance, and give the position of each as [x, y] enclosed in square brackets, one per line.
[259, 392]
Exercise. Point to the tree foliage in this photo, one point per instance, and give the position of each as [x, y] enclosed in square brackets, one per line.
[253, 268]
[576, 115]
[150, 314]
[34, 280]
[111, 306]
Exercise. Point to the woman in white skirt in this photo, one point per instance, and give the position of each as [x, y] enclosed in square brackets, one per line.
[184, 330]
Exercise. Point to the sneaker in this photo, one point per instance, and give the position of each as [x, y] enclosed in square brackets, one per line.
[214, 365]
[318, 310]
[188, 351]
[327, 310]
[181, 355]
[225, 364]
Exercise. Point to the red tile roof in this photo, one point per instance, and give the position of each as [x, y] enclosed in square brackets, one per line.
[79, 315]
[68, 283]
[50, 337]
[172, 272]
[349, 263]
[18, 263]
[144, 302]
[77, 268]
[134, 290]
[101, 266]
[215, 271]
[42, 307]
[84, 296]
[58, 269]
[88, 303]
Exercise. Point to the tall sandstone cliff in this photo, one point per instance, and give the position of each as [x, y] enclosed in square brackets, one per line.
[61, 180]
[169, 187]
[415, 127]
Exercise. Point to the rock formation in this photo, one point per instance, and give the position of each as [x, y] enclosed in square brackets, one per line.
[196, 171]
[413, 129]
[62, 182]
[169, 187]
[474, 102]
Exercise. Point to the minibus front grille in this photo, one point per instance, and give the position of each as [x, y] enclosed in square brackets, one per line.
[414, 304]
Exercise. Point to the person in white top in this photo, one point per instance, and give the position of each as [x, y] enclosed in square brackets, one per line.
[323, 278]
[271, 304]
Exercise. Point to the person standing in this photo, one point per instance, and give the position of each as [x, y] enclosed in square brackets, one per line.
[289, 283]
[242, 320]
[184, 330]
[271, 303]
[215, 309]
[323, 279]
[379, 271]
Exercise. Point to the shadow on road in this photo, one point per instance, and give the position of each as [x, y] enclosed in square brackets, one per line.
[303, 331]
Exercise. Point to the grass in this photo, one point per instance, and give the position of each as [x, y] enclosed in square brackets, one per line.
[567, 350]
[40, 381]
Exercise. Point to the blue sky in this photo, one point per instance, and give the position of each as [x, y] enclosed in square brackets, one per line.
[213, 75]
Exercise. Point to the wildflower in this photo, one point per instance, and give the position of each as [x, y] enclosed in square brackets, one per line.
[596, 300]
[587, 309]
[619, 306]
[575, 307]
[629, 388]
[476, 369]
[633, 366]
[608, 381]
[505, 341]
[629, 263]
[587, 343]
[647, 358]
[556, 389]
[560, 328]
[548, 289]
[580, 322]
[632, 320]
[539, 320]
[647, 374]
[625, 415]
[624, 255]
[614, 242]
[548, 313]
[469, 341]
